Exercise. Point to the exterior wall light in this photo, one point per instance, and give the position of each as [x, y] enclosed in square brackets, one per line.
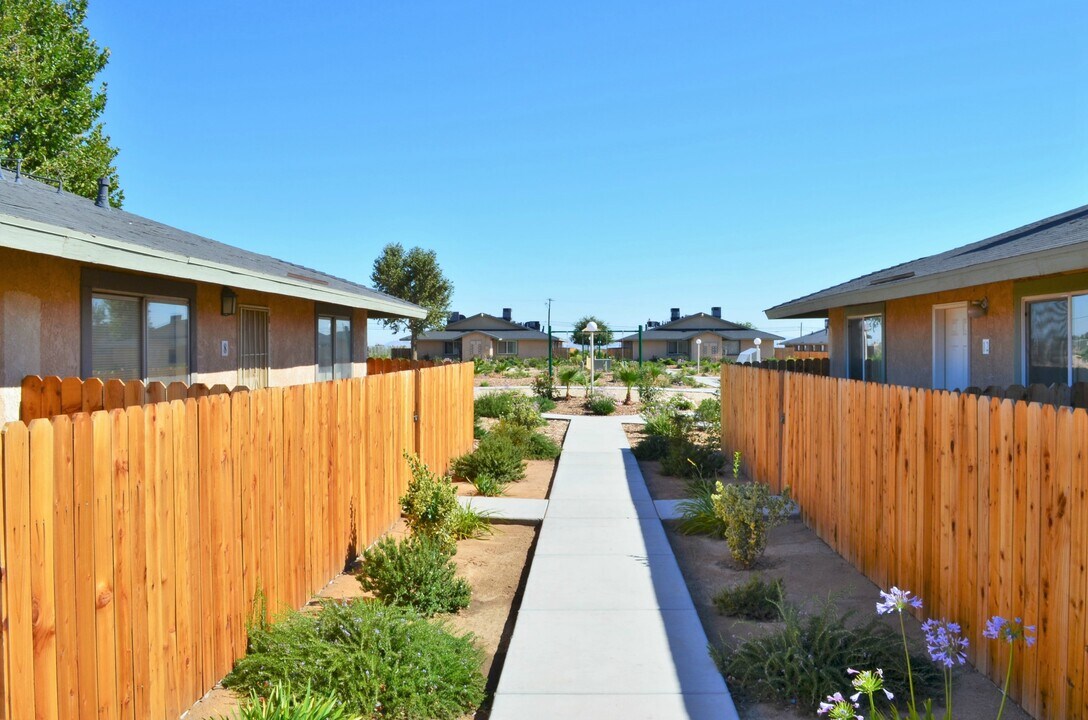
[978, 308]
[229, 301]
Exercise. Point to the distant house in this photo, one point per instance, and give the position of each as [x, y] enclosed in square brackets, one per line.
[486, 336]
[708, 335]
[1010, 309]
[92, 291]
[811, 345]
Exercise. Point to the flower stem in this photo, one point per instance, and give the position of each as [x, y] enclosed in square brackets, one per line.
[1005, 687]
[906, 652]
[948, 693]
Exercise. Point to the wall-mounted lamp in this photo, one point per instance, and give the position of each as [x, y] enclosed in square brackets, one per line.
[229, 300]
[978, 308]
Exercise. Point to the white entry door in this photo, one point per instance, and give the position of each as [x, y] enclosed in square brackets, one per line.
[952, 357]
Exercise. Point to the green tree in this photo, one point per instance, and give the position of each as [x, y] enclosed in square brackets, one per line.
[416, 277]
[602, 337]
[568, 375]
[49, 104]
[627, 374]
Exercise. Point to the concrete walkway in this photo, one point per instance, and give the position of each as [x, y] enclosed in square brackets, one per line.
[606, 628]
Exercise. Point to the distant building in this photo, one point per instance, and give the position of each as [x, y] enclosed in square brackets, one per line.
[486, 336]
[812, 345]
[678, 338]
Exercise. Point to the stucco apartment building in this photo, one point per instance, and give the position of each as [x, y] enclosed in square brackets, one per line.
[717, 339]
[1011, 309]
[486, 336]
[87, 290]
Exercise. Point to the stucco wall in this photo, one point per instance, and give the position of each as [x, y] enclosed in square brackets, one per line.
[40, 329]
[487, 349]
[657, 348]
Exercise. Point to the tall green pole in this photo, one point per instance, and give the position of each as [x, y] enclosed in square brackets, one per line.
[549, 351]
[640, 346]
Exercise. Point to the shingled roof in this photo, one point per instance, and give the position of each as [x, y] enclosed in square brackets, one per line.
[1053, 245]
[37, 218]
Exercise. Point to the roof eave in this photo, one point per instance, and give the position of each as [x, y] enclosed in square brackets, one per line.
[44, 239]
[1045, 262]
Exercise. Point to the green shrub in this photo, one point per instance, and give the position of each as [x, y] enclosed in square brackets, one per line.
[429, 503]
[415, 572]
[698, 515]
[488, 486]
[544, 388]
[807, 658]
[496, 456]
[659, 423]
[756, 599]
[470, 524]
[493, 405]
[529, 443]
[283, 704]
[545, 404]
[523, 411]
[478, 431]
[749, 511]
[709, 412]
[651, 447]
[686, 459]
[650, 382]
[379, 661]
[570, 375]
[601, 405]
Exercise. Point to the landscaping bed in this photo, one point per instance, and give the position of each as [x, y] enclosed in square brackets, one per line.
[494, 566]
[536, 484]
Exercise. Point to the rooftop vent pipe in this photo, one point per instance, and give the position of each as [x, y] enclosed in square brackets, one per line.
[103, 199]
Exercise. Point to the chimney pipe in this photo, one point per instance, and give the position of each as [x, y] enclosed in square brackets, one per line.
[716, 312]
[674, 314]
[18, 171]
[103, 199]
[507, 314]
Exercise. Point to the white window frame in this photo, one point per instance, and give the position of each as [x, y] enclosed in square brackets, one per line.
[1025, 330]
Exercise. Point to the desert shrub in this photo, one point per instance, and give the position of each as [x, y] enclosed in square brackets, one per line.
[659, 423]
[493, 405]
[515, 372]
[488, 486]
[756, 599]
[709, 412]
[284, 704]
[806, 659]
[496, 456]
[601, 405]
[470, 524]
[478, 431]
[687, 459]
[531, 444]
[482, 366]
[544, 387]
[416, 572]
[379, 661]
[523, 411]
[650, 382]
[698, 516]
[545, 404]
[429, 503]
[651, 447]
[749, 511]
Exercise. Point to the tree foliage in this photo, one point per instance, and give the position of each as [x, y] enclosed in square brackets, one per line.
[49, 104]
[416, 277]
[603, 336]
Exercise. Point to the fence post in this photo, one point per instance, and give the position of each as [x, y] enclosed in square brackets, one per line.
[781, 426]
[417, 376]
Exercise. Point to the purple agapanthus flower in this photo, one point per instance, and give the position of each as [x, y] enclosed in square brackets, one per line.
[944, 642]
[836, 707]
[998, 628]
[896, 600]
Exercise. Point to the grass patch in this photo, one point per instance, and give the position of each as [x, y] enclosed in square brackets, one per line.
[698, 515]
[601, 405]
[283, 704]
[488, 486]
[756, 599]
[806, 659]
[379, 661]
[416, 572]
[470, 524]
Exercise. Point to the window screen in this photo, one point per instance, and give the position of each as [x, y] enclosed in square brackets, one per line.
[342, 349]
[115, 337]
[333, 348]
[167, 341]
[324, 348]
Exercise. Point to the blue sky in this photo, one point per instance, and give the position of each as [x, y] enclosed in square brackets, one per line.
[620, 157]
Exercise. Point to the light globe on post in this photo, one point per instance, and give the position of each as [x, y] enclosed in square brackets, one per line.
[698, 354]
[759, 353]
[591, 328]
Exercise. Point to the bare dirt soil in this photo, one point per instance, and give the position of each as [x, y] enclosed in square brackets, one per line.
[495, 567]
[811, 572]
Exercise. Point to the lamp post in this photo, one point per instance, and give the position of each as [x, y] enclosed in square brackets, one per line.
[698, 354]
[591, 328]
[759, 354]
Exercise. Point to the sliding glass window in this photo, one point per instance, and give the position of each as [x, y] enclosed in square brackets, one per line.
[865, 348]
[135, 338]
[333, 347]
[1057, 340]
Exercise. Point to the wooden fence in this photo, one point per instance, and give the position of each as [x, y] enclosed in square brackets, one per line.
[49, 396]
[135, 540]
[377, 366]
[978, 504]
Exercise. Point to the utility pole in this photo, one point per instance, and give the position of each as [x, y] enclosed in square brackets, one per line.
[550, 343]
